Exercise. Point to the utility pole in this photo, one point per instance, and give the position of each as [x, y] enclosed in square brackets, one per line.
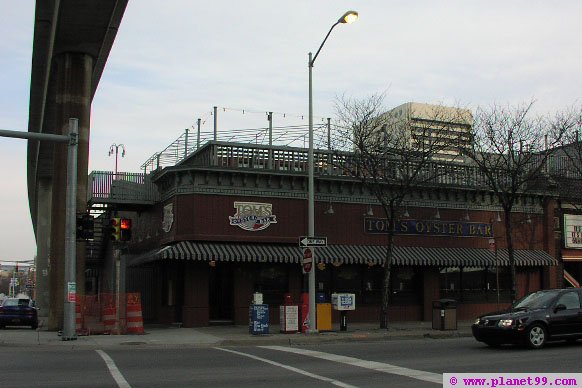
[69, 332]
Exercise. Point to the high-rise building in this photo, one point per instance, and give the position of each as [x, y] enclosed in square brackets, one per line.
[446, 129]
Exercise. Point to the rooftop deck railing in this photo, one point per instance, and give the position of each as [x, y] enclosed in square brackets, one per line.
[105, 186]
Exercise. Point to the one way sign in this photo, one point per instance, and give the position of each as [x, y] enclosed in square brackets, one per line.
[305, 241]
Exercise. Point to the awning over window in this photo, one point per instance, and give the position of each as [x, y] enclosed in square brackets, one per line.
[346, 254]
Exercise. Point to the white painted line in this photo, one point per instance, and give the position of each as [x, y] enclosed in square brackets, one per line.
[117, 376]
[296, 370]
[373, 365]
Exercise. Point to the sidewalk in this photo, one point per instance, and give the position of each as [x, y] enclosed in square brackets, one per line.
[169, 336]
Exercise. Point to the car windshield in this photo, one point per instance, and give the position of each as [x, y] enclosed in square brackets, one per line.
[536, 300]
[16, 302]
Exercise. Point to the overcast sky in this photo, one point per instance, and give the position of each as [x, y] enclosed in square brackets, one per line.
[173, 61]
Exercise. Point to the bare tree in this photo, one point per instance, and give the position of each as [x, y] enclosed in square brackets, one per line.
[390, 153]
[510, 149]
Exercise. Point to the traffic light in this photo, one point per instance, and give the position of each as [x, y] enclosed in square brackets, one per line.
[115, 229]
[125, 226]
[85, 226]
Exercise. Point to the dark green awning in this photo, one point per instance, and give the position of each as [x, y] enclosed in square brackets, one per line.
[346, 254]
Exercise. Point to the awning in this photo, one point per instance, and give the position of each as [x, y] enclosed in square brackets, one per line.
[345, 254]
[572, 255]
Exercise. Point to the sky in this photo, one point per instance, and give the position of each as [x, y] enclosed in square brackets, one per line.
[172, 62]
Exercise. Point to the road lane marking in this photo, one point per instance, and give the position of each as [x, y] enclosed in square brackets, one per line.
[115, 373]
[373, 365]
[293, 369]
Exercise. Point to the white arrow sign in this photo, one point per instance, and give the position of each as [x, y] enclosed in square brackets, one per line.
[312, 241]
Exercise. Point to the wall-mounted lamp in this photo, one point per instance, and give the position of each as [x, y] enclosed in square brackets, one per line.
[406, 214]
[466, 217]
[528, 219]
[370, 211]
[437, 216]
[498, 219]
[329, 210]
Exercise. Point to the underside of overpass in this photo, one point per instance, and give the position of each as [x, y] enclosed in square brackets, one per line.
[71, 44]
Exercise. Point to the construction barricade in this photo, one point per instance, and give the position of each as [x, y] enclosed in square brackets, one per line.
[79, 324]
[134, 317]
[109, 313]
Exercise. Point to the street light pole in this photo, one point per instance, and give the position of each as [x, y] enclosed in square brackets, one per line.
[115, 148]
[348, 17]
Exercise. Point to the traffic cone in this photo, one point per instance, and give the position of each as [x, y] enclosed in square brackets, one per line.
[134, 319]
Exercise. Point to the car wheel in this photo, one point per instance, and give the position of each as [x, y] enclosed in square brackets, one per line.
[536, 336]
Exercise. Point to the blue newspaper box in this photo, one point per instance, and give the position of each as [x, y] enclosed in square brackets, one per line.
[259, 319]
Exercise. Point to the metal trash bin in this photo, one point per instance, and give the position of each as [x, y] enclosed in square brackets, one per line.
[444, 314]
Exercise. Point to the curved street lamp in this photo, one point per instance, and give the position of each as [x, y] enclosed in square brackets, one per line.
[347, 18]
[115, 149]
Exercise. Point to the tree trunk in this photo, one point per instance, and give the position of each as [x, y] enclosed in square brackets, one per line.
[510, 253]
[384, 317]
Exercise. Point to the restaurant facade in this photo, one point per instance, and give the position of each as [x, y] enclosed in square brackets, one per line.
[228, 222]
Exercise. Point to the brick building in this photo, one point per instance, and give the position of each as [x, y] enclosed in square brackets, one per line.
[225, 223]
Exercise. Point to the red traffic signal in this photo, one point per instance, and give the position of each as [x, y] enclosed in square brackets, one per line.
[125, 229]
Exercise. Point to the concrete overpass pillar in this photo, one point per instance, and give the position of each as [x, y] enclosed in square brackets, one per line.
[73, 76]
[43, 235]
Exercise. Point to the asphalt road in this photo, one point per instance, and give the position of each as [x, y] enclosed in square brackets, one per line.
[396, 363]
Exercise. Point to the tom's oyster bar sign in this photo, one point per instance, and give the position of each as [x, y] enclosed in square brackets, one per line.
[429, 227]
[253, 216]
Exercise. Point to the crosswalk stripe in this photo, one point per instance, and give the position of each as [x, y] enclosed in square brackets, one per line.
[293, 369]
[373, 365]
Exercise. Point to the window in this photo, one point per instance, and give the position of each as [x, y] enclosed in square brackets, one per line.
[475, 284]
[405, 285]
[272, 282]
[450, 282]
[347, 279]
[373, 277]
[570, 299]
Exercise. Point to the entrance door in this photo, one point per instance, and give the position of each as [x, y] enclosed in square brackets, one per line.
[220, 295]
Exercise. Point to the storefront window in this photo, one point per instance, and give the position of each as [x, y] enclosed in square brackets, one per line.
[372, 286]
[367, 282]
[504, 284]
[450, 282]
[474, 284]
[272, 281]
[404, 285]
[347, 279]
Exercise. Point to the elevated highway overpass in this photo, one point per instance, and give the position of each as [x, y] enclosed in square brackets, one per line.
[71, 44]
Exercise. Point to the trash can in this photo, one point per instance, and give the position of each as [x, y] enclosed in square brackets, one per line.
[444, 314]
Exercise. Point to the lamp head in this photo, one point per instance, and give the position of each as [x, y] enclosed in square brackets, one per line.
[348, 17]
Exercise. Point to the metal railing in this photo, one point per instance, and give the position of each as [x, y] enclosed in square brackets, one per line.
[123, 187]
[108, 187]
[188, 142]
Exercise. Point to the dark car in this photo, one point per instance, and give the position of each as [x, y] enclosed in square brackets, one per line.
[539, 317]
[18, 312]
